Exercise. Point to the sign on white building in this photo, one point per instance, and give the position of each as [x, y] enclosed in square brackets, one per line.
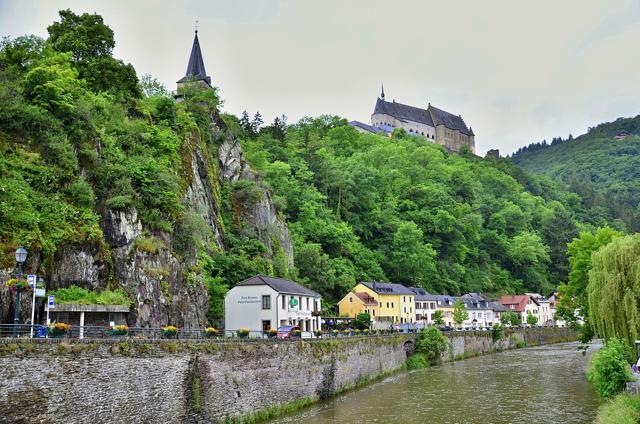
[262, 303]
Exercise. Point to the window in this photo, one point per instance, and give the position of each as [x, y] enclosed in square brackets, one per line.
[266, 301]
[405, 309]
[350, 299]
[392, 304]
[374, 312]
[266, 325]
[387, 304]
[284, 301]
[307, 303]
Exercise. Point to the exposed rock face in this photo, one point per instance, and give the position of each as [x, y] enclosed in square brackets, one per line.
[121, 227]
[261, 216]
[77, 265]
[199, 196]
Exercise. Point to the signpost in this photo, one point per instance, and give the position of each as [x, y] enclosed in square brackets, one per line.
[31, 279]
[51, 304]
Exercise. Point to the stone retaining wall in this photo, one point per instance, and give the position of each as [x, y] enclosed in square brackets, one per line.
[137, 381]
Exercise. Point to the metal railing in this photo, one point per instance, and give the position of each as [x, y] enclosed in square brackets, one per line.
[23, 331]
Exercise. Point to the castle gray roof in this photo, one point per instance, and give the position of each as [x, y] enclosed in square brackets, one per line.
[388, 288]
[279, 285]
[431, 116]
[403, 112]
[449, 120]
[195, 67]
[365, 127]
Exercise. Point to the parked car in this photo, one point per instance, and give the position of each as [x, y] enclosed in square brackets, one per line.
[287, 331]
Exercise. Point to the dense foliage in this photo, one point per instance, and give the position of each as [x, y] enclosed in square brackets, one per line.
[573, 304]
[603, 170]
[460, 312]
[510, 318]
[363, 207]
[613, 292]
[78, 295]
[431, 343]
[609, 369]
[623, 409]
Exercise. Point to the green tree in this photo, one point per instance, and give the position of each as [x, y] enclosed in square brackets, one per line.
[573, 294]
[362, 321]
[91, 43]
[412, 260]
[438, 317]
[510, 318]
[460, 312]
[532, 319]
[431, 343]
[613, 291]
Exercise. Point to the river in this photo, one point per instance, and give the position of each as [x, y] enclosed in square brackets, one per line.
[539, 385]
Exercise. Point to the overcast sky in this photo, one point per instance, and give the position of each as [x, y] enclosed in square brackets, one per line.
[517, 71]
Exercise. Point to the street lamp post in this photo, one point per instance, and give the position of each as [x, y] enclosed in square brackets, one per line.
[21, 256]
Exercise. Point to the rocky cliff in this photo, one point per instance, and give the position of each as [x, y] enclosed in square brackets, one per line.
[159, 270]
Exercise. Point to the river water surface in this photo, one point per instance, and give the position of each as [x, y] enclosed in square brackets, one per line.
[540, 385]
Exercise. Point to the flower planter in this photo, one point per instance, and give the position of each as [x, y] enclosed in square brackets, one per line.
[169, 332]
[211, 333]
[243, 333]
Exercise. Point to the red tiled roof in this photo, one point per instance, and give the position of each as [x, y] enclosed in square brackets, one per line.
[519, 300]
[366, 298]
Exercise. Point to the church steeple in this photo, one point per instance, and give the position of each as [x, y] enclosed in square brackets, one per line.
[382, 94]
[195, 67]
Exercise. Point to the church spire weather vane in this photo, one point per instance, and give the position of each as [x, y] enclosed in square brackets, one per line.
[196, 26]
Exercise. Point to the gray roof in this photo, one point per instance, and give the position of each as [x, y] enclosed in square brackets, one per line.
[422, 295]
[195, 67]
[498, 307]
[449, 120]
[473, 296]
[445, 299]
[365, 127]
[388, 288]
[279, 285]
[403, 112]
[431, 116]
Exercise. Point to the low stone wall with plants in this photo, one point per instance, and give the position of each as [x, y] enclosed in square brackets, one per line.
[469, 343]
[206, 381]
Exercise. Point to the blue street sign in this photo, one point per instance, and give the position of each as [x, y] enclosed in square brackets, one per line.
[51, 302]
[31, 279]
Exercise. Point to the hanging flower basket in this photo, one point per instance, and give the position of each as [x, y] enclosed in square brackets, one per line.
[119, 330]
[17, 285]
[210, 332]
[243, 333]
[169, 332]
[58, 329]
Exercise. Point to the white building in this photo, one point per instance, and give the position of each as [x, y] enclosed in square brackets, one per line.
[425, 306]
[545, 314]
[262, 303]
[481, 311]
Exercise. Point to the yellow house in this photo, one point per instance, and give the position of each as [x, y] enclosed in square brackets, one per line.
[355, 303]
[395, 303]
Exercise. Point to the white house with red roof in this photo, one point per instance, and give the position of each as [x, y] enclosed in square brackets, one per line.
[521, 304]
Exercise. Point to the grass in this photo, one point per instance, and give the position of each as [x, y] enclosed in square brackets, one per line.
[623, 409]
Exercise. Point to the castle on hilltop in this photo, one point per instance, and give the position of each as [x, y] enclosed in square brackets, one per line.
[435, 124]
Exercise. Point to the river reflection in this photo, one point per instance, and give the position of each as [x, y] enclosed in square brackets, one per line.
[536, 385]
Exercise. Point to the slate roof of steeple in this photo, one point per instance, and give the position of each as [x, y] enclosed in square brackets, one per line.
[195, 67]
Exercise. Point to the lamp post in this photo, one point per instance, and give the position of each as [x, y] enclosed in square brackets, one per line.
[21, 256]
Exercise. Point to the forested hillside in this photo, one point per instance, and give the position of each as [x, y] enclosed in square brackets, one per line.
[364, 207]
[605, 171]
[112, 184]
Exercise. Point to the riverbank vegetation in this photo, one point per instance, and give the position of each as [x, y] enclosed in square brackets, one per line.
[430, 345]
[609, 369]
[623, 409]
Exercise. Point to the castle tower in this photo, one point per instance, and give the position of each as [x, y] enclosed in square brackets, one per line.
[195, 67]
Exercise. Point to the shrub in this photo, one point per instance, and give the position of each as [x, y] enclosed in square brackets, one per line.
[431, 343]
[148, 244]
[81, 193]
[609, 369]
[362, 321]
[417, 361]
[497, 332]
[623, 409]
